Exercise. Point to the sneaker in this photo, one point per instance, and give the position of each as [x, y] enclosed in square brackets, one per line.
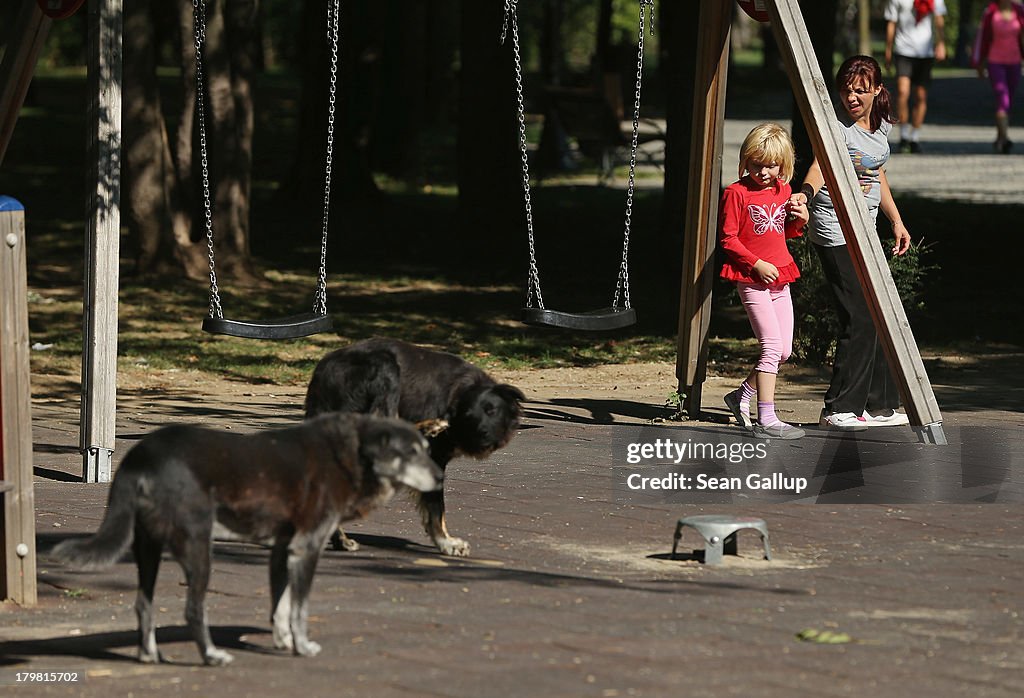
[1007, 146]
[915, 147]
[844, 421]
[904, 145]
[886, 418]
[732, 401]
[779, 430]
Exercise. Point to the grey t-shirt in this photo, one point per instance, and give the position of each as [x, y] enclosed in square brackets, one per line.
[869, 153]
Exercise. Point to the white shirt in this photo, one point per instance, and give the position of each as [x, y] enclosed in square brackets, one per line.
[913, 38]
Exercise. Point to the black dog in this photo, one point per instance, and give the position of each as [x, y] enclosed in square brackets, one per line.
[395, 378]
[290, 487]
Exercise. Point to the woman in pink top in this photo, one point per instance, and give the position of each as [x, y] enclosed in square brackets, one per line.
[999, 47]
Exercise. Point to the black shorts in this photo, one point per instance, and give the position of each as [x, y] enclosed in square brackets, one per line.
[919, 70]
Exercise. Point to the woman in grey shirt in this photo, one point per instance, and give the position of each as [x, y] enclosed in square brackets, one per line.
[862, 392]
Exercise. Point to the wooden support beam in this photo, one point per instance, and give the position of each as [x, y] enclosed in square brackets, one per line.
[701, 227]
[102, 252]
[28, 34]
[18, 534]
[865, 248]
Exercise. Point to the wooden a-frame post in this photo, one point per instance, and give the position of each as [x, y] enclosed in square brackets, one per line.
[28, 34]
[700, 235]
[812, 97]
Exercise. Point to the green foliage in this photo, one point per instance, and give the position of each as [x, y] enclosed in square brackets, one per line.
[816, 323]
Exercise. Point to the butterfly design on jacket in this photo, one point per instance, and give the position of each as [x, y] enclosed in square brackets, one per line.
[770, 217]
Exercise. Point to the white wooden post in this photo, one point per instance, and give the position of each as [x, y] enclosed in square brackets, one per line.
[102, 251]
[18, 535]
[812, 96]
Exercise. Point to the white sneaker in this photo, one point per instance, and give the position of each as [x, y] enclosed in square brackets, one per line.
[845, 421]
[888, 418]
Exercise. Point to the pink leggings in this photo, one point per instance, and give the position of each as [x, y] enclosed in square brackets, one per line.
[1004, 78]
[770, 309]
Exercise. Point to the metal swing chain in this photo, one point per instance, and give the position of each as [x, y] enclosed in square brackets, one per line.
[199, 22]
[320, 299]
[533, 283]
[622, 285]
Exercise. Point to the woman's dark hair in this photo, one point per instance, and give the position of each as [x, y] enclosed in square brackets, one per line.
[867, 69]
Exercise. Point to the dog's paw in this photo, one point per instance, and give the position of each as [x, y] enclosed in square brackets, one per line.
[432, 427]
[455, 547]
[307, 648]
[150, 657]
[283, 641]
[216, 657]
[339, 541]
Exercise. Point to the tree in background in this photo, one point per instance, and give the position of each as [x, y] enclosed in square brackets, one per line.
[488, 165]
[162, 189]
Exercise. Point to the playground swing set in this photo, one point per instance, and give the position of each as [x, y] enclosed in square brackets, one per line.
[317, 320]
[535, 314]
[17, 574]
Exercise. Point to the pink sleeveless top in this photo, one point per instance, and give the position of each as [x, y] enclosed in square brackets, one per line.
[1005, 46]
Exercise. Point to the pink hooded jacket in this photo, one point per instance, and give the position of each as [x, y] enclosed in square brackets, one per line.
[984, 39]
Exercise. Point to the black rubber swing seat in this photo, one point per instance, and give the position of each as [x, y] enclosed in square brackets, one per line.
[595, 320]
[282, 328]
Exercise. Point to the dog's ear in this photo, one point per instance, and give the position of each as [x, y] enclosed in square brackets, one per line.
[510, 392]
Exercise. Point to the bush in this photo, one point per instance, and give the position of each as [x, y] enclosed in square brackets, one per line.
[816, 323]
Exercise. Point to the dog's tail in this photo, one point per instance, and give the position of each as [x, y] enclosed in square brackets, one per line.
[109, 543]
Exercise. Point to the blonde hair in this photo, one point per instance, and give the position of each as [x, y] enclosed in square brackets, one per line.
[768, 143]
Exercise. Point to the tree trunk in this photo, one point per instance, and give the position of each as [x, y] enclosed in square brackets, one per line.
[229, 124]
[553, 154]
[678, 30]
[820, 16]
[163, 201]
[489, 168]
[402, 79]
[965, 33]
[157, 225]
[352, 178]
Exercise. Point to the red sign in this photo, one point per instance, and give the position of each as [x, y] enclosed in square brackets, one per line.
[59, 9]
[756, 9]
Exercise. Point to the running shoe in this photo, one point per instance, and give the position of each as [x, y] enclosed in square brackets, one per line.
[886, 418]
[843, 421]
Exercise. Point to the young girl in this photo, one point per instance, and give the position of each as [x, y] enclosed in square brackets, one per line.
[755, 220]
[862, 392]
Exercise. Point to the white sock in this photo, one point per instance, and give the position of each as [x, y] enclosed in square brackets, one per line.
[914, 134]
[904, 132]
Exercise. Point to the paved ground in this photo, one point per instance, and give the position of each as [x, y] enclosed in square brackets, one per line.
[570, 590]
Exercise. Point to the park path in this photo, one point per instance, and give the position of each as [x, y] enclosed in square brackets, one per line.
[957, 163]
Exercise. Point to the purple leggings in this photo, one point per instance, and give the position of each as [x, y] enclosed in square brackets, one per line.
[1004, 78]
[770, 309]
